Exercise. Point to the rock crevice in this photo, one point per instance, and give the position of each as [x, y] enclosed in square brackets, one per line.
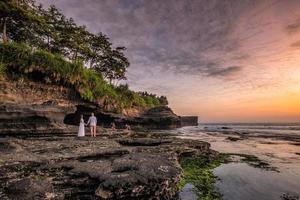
[95, 168]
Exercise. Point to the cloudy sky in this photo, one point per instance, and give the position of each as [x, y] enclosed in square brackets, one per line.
[223, 60]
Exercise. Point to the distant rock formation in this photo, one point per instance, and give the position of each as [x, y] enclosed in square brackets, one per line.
[161, 117]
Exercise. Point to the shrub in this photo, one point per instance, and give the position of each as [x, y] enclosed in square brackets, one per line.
[14, 55]
[87, 95]
[20, 59]
[138, 100]
[40, 65]
[2, 70]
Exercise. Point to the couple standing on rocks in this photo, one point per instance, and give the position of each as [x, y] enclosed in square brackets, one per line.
[92, 122]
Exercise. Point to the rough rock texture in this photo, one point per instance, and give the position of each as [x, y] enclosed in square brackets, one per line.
[28, 92]
[33, 108]
[33, 118]
[38, 162]
[103, 118]
[142, 142]
[60, 167]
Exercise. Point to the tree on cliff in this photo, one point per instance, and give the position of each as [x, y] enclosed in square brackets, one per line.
[19, 21]
[112, 64]
[163, 100]
[99, 45]
[23, 21]
[62, 35]
[45, 44]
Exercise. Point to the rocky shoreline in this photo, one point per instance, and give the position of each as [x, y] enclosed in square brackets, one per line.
[110, 166]
[42, 158]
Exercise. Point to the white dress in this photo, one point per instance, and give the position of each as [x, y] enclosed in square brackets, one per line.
[81, 129]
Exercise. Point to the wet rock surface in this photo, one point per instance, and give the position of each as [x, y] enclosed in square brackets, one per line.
[66, 167]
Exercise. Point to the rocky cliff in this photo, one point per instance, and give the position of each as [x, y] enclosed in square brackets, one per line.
[161, 117]
[33, 108]
[44, 118]
[30, 108]
[47, 164]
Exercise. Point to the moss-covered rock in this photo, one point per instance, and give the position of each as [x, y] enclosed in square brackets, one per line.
[198, 172]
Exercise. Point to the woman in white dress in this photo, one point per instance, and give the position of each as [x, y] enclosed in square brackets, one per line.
[81, 127]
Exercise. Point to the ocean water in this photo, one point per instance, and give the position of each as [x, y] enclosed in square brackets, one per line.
[277, 144]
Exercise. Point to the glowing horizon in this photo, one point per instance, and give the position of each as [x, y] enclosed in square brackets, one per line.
[224, 61]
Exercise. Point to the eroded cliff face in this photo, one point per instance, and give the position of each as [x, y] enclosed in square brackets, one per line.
[44, 118]
[29, 93]
[161, 117]
[32, 108]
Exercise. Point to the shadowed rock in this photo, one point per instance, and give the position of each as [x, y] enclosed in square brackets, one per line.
[5, 146]
[106, 153]
[95, 169]
[33, 119]
[141, 142]
[30, 188]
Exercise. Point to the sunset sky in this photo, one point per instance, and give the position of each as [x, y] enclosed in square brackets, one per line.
[222, 60]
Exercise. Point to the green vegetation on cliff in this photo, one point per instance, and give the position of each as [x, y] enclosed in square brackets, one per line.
[43, 45]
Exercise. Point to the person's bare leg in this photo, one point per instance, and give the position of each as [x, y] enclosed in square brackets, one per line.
[91, 129]
[95, 131]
